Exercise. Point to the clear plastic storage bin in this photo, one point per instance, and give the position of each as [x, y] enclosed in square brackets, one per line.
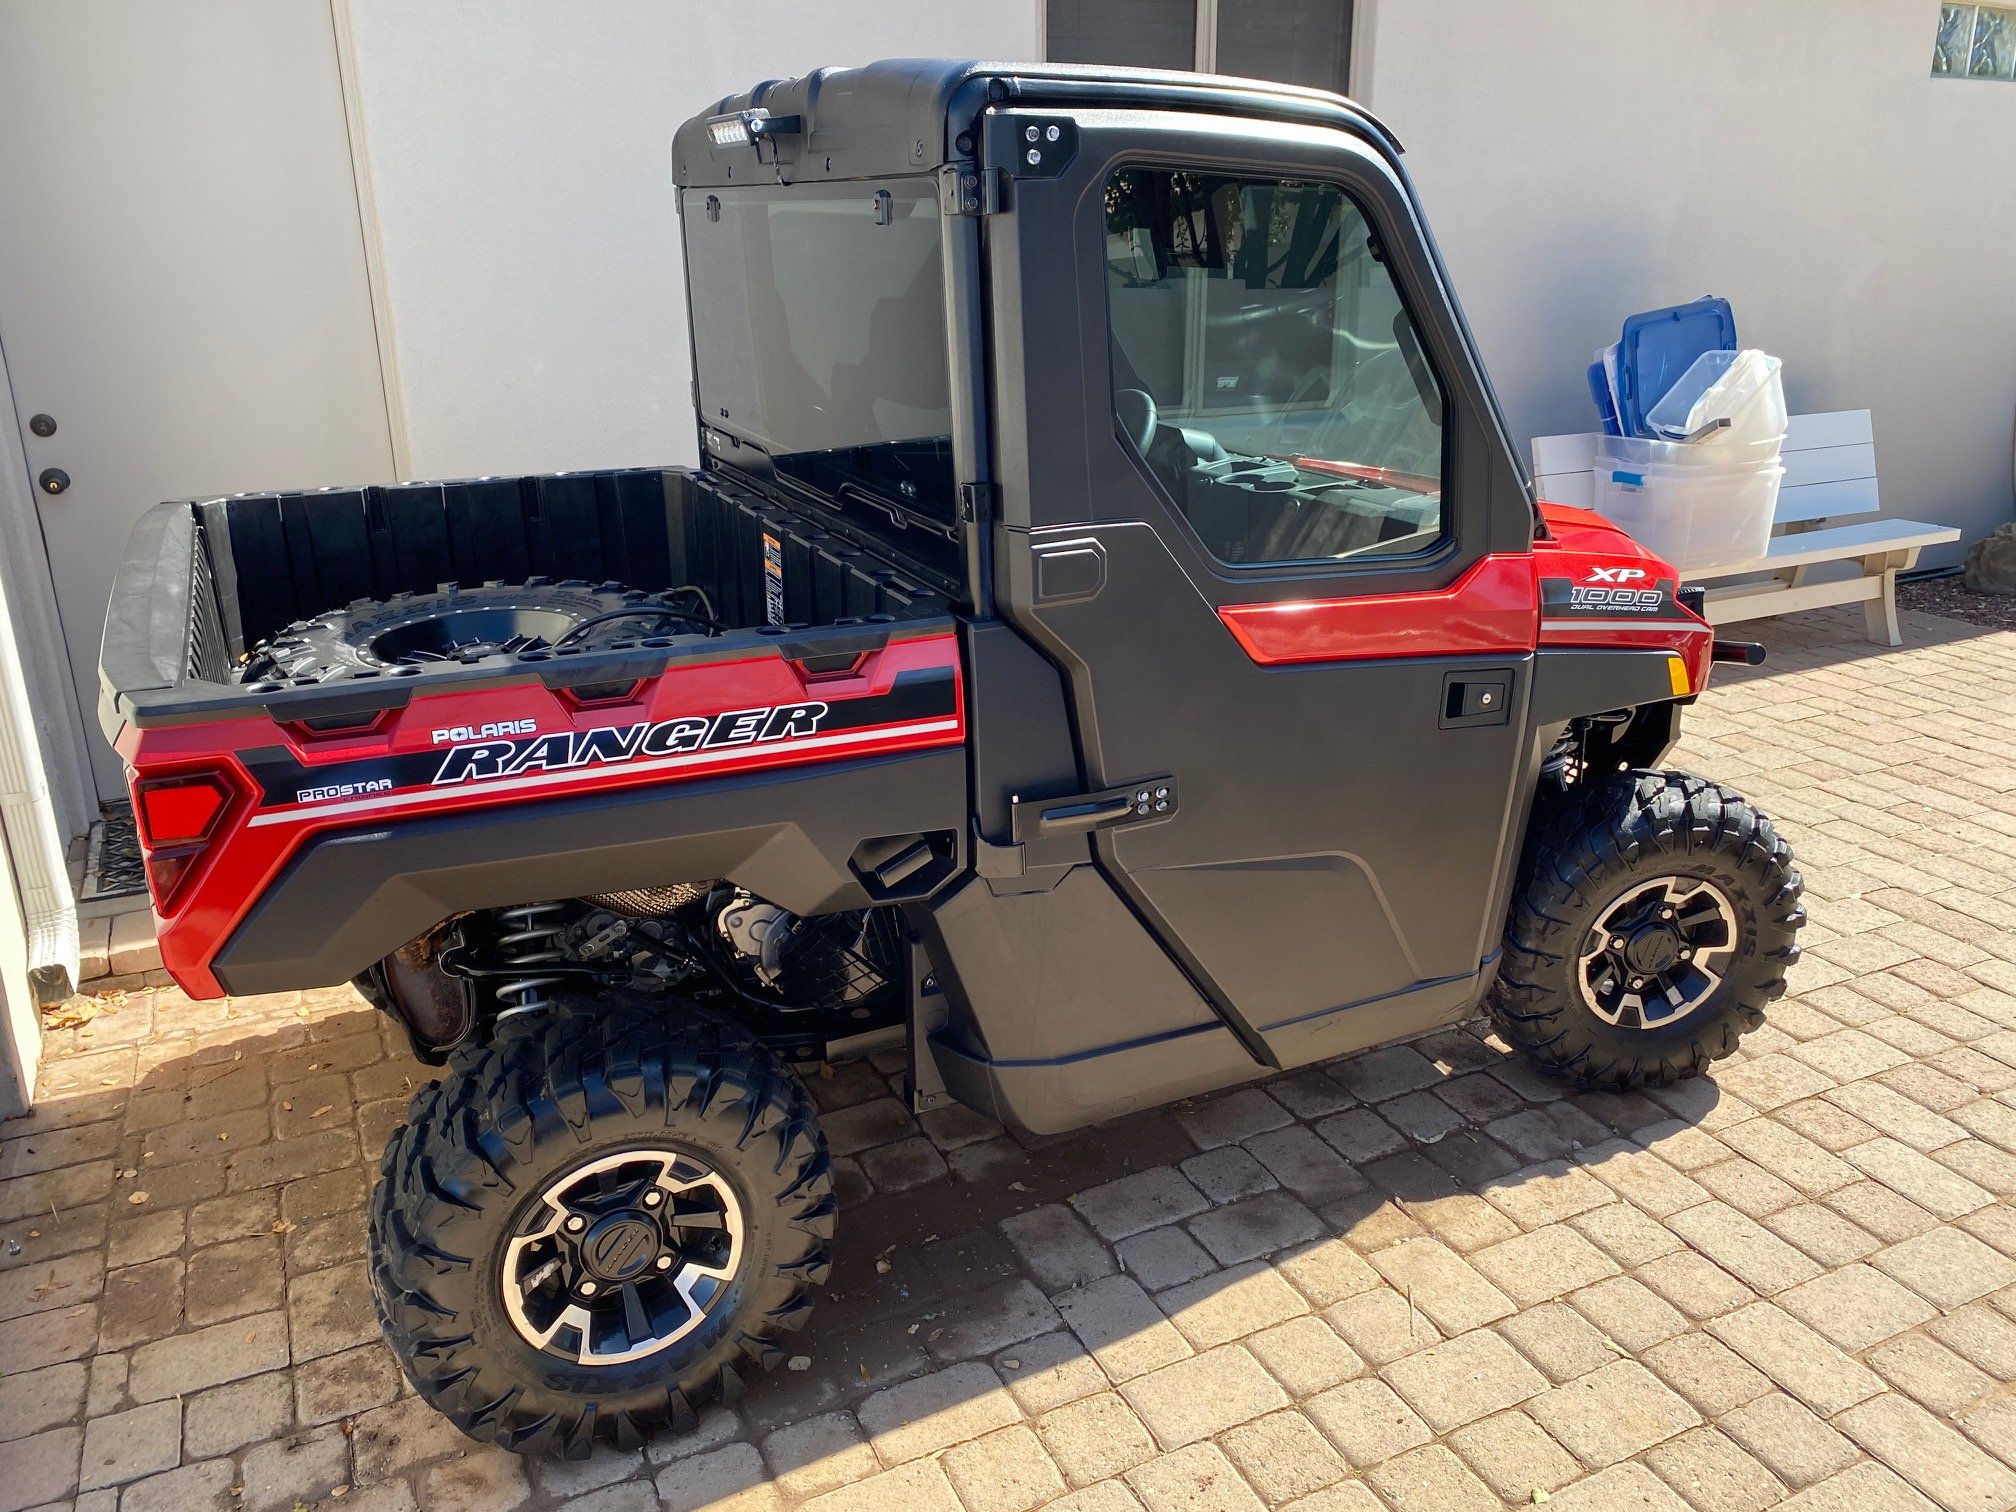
[1745, 389]
[1694, 513]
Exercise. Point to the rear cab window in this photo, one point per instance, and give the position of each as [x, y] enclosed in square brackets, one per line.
[820, 348]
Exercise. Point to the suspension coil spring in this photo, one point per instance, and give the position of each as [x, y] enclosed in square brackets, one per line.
[530, 937]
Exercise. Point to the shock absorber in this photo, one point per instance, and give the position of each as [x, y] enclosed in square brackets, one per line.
[528, 937]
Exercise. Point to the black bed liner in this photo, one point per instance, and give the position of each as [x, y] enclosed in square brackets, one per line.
[204, 581]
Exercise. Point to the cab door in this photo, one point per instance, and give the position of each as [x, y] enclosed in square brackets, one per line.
[1257, 504]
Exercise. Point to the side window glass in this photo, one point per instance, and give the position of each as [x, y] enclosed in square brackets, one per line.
[1266, 370]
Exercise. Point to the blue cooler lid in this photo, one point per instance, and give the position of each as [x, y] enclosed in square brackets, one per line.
[1658, 346]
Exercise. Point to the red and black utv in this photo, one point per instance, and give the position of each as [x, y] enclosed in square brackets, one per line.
[1109, 646]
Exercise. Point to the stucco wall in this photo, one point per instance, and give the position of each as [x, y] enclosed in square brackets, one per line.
[519, 162]
[1581, 160]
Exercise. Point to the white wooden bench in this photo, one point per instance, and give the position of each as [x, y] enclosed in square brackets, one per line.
[1830, 477]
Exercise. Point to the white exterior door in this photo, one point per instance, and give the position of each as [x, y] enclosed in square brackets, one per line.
[183, 288]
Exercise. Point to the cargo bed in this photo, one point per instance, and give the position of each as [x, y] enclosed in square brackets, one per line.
[297, 831]
[205, 581]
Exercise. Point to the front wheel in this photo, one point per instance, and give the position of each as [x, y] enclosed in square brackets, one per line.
[598, 1226]
[1655, 917]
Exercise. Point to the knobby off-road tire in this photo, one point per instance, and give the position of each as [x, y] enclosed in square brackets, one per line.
[1617, 851]
[372, 635]
[468, 1175]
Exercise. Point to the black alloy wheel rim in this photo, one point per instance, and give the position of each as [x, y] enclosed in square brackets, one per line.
[622, 1257]
[461, 634]
[1658, 952]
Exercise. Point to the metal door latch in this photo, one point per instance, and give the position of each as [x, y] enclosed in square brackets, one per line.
[1476, 698]
[1080, 814]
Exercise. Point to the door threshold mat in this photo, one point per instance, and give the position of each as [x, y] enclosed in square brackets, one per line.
[112, 864]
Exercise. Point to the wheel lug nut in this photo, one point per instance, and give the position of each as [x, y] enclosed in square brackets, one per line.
[1617, 942]
[587, 1288]
[664, 1262]
[1637, 982]
[652, 1199]
[576, 1224]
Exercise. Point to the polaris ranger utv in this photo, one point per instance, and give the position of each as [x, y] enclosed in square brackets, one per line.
[1109, 646]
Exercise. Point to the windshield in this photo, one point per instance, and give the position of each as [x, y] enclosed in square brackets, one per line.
[819, 333]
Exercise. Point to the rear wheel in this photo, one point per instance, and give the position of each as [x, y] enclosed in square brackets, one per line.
[598, 1226]
[1655, 918]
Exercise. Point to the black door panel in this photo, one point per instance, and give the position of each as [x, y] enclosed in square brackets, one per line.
[1335, 872]
[1335, 843]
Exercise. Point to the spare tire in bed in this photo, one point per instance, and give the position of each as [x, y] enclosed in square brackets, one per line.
[458, 624]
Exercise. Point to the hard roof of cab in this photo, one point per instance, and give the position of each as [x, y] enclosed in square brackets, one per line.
[903, 115]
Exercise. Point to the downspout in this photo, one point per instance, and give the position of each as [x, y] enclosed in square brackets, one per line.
[33, 839]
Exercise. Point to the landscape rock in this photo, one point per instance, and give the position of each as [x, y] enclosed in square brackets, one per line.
[1991, 562]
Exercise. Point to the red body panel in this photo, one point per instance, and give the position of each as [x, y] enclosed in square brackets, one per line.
[1584, 548]
[512, 745]
[1491, 608]
[1588, 584]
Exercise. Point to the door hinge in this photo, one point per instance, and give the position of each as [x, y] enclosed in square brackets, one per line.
[1029, 146]
[964, 189]
[976, 502]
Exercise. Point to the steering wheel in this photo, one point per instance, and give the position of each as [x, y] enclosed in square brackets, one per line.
[1135, 410]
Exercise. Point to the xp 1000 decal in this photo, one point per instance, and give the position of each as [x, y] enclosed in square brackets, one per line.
[515, 755]
[1612, 595]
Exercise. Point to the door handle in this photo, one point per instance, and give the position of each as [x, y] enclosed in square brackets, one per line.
[1077, 818]
[53, 480]
[1476, 698]
[1082, 813]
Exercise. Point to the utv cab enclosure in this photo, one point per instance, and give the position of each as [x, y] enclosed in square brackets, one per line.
[1108, 645]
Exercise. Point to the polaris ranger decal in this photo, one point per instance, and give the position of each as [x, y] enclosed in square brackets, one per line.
[458, 733]
[920, 708]
[580, 748]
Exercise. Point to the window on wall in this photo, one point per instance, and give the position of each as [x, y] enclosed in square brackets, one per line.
[1975, 42]
[1127, 33]
[1286, 41]
[1266, 370]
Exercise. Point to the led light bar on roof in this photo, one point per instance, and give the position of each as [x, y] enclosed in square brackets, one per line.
[740, 128]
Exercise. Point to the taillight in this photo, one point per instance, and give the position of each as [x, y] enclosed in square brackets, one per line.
[177, 816]
[164, 876]
[180, 810]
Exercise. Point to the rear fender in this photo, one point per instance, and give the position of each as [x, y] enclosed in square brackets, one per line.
[346, 838]
[794, 837]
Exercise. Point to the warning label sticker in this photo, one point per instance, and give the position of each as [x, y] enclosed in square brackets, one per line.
[773, 579]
